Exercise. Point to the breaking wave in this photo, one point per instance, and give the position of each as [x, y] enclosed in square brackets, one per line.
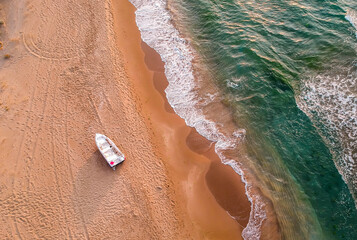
[331, 102]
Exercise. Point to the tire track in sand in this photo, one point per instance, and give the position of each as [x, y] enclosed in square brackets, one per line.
[31, 124]
[71, 172]
[16, 228]
[26, 124]
[36, 123]
[21, 145]
[52, 129]
[35, 51]
[96, 112]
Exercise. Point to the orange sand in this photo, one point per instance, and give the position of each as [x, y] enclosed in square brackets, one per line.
[78, 68]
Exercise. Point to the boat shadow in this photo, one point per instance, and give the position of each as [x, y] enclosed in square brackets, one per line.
[93, 184]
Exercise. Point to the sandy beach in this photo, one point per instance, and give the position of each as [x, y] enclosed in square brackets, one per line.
[76, 68]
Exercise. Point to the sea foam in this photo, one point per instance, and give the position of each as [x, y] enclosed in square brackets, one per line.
[331, 100]
[155, 24]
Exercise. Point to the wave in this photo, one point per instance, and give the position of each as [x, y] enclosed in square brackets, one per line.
[331, 102]
[157, 30]
[351, 16]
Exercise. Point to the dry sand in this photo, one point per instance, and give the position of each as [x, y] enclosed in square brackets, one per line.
[77, 68]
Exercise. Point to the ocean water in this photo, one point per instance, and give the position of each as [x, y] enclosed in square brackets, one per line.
[274, 84]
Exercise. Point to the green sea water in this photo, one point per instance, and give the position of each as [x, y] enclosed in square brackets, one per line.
[261, 54]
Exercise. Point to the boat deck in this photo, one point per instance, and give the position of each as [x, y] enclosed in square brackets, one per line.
[109, 151]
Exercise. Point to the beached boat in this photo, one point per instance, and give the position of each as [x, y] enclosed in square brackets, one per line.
[109, 150]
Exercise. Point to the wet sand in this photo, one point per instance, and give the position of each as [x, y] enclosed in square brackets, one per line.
[194, 151]
[77, 69]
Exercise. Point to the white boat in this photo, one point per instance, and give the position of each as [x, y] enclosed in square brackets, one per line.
[110, 152]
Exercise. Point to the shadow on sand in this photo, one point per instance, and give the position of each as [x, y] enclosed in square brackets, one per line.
[93, 182]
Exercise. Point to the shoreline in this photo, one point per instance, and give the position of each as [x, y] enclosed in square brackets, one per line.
[219, 180]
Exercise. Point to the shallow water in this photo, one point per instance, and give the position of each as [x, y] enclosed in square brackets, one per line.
[286, 71]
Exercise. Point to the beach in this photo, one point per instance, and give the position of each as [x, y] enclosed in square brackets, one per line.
[79, 68]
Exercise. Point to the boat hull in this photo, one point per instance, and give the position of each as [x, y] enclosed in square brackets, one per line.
[109, 150]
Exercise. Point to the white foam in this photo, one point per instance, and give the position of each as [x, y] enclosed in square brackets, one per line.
[257, 213]
[332, 100]
[154, 22]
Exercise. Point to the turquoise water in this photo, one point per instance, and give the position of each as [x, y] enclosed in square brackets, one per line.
[265, 56]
